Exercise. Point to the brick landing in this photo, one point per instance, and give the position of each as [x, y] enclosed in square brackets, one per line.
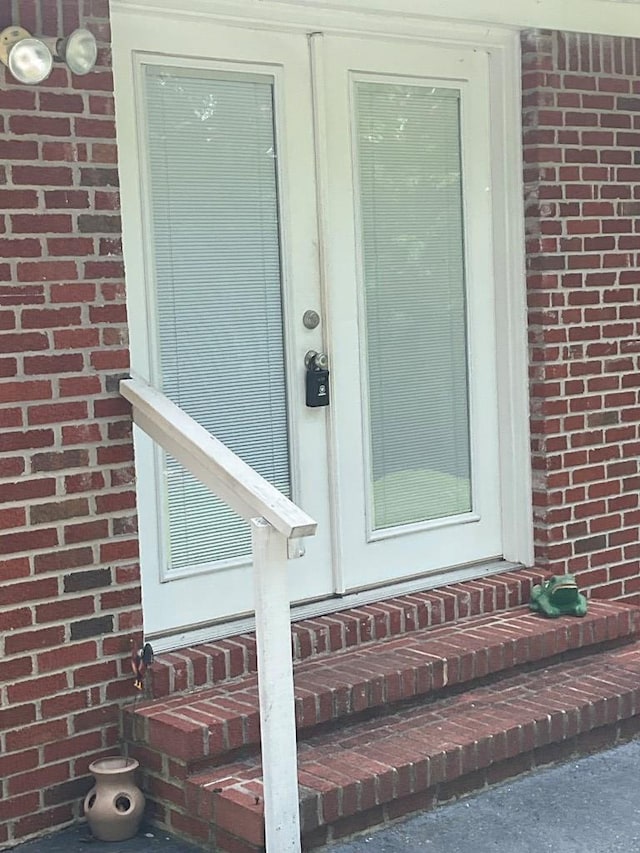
[211, 663]
[424, 697]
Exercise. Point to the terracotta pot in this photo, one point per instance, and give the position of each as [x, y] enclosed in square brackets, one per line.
[115, 805]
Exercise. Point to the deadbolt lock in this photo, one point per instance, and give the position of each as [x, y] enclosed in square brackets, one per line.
[316, 379]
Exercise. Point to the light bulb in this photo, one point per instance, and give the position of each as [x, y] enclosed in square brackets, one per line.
[30, 60]
[79, 51]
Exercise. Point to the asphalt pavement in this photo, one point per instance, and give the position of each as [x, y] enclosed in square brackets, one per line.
[591, 805]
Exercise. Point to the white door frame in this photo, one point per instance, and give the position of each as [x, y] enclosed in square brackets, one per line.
[502, 47]
[605, 17]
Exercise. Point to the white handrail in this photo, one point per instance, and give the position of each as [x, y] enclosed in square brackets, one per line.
[211, 462]
[274, 520]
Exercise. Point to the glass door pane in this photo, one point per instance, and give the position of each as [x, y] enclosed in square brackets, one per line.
[215, 233]
[409, 196]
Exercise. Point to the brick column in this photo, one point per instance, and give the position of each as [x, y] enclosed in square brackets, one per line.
[581, 109]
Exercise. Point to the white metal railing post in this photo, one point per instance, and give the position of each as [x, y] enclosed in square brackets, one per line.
[275, 685]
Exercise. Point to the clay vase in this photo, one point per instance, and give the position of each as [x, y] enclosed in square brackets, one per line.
[115, 805]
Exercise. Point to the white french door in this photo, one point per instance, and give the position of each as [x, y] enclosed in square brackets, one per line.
[222, 263]
[408, 226]
[267, 175]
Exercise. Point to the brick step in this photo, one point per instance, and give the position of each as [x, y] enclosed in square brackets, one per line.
[373, 771]
[203, 726]
[209, 664]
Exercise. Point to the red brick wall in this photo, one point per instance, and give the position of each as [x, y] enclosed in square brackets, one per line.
[69, 600]
[582, 185]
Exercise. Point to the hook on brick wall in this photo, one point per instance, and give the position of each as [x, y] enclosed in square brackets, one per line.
[141, 660]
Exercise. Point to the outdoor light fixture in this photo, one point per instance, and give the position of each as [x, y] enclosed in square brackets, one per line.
[79, 51]
[30, 58]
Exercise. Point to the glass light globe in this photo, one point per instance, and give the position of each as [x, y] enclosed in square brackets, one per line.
[80, 51]
[30, 60]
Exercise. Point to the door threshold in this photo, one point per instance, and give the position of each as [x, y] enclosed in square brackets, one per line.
[196, 635]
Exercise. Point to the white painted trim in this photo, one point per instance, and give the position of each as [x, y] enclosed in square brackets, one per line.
[316, 58]
[511, 302]
[149, 367]
[275, 688]
[208, 459]
[591, 16]
[421, 526]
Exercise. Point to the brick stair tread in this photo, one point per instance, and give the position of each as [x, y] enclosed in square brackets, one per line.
[205, 724]
[368, 763]
[211, 663]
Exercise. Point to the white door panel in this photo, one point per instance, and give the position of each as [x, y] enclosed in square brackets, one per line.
[417, 474]
[226, 213]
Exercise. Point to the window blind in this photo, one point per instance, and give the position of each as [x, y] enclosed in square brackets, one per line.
[412, 253]
[216, 254]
